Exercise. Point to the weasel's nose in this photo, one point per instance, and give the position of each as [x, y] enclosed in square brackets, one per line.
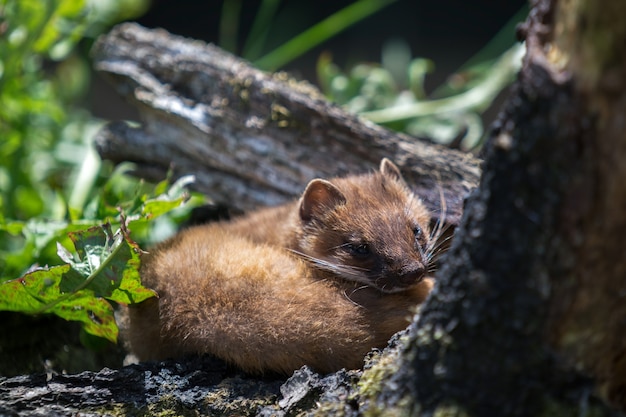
[412, 274]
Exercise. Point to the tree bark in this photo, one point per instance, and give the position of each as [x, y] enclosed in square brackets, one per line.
[587, 321]
[251, 138]
[531, 300]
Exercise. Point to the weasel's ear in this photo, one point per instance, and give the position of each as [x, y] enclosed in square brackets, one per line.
[389, 169]
[319, 196]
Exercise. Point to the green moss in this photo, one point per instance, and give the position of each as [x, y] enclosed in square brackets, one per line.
[241, 88]
[450, 410]
[372, 379]
[281, 115]
[115, 410]
[326, 409]
[556, 408]
[299, 86]
[216, 403]
[167, 406]
[382, 367]
[226, 401]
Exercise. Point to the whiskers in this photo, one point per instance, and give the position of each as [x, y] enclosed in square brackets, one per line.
[436, 245]
[350, 296]
[348, 272]
[343, 245]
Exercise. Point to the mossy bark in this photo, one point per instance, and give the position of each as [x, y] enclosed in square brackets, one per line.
[531, 301]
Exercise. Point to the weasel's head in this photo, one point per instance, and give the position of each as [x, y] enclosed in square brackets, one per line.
[370, 229]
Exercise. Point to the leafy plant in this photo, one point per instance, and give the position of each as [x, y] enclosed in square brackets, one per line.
[393, 92]
[42, 75]
[54, 192]
[103, 268]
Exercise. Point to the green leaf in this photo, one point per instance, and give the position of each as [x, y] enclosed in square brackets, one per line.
[96, 314]
[31, 292]
[67, 15]
[162, 187]
[38, 292]
[14, 228]
[108, 265]
[104, 268]
[167, 201]
[157, 207]
[320, 32]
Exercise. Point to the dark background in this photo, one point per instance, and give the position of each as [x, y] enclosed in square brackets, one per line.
[448, 32]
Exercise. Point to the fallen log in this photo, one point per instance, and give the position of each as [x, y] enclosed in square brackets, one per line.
[251, 138]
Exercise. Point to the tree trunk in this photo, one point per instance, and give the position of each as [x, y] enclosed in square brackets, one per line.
[587, 321]
[532, 296]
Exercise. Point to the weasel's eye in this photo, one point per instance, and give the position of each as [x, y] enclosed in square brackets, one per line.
[417, 231]
[359, 250]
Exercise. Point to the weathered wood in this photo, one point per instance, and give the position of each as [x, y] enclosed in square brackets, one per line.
[188, 386]
[251, 138]
[143, 389]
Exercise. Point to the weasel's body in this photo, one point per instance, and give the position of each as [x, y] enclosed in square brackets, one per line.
[318, 282]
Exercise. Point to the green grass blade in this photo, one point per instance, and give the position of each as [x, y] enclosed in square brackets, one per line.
[495, 47]
[500, 42]
[477, 98]
[229, 24]
[320, 32]
[260, 27]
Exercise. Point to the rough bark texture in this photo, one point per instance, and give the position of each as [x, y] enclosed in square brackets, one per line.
[196, 385]
[251, 138]
[187, 387]
[516, 331]
[587, 324]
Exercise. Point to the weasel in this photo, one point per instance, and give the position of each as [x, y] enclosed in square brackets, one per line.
[319, 282]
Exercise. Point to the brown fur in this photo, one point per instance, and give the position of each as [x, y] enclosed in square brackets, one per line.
[318, 282]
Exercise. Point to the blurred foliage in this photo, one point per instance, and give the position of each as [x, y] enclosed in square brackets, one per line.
[392, 93]
[313, 36]
[254, 48]
[54, 192]
[44, 139]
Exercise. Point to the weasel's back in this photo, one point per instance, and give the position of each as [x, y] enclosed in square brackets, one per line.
[253, 305]
[318, 282]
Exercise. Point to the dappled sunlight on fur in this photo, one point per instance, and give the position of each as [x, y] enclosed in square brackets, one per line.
[320, 281]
